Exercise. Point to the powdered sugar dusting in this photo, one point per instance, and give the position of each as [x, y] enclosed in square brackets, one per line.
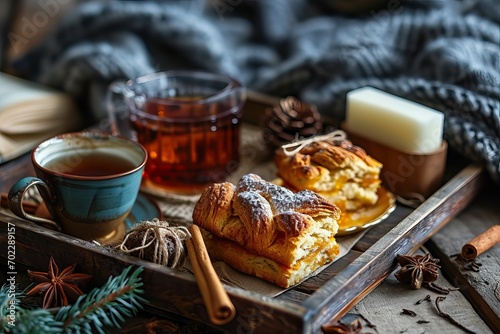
[281, 199]
[258, 204]
[307, 198]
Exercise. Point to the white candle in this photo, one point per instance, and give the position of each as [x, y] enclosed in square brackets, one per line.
[393, 121]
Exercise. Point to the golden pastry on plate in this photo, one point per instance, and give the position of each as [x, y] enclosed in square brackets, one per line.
[266, 230]
[342, 173]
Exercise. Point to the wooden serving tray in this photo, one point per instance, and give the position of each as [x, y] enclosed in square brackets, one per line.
[303, 309]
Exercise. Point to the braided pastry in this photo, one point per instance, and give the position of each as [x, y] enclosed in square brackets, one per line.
[266, 230]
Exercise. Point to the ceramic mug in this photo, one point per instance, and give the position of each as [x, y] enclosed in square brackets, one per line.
[89, 182]
[188, 121]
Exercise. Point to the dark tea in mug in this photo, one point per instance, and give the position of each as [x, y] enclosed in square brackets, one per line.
[189, 123]
[93, 164]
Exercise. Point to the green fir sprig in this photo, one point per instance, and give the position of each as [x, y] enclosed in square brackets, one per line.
[35, 321]
[108, 305]
[16, 319]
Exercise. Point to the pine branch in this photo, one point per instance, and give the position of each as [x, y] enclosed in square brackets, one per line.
[37, 321]
[14, 319]
[108, 305]
[5, 298]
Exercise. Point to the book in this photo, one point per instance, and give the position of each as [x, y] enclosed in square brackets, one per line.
[30, 113]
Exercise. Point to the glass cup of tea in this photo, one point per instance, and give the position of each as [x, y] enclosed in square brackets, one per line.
[188, 121]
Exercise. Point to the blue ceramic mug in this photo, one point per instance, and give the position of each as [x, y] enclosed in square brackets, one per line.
[89, 182]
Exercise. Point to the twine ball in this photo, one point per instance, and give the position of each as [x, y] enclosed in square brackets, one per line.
[158, 242]
[290, 120]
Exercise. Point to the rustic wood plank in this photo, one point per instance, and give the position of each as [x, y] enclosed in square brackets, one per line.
[293, 296]
[481, 288]
[368, 270]
[382, 308]
[165, 289]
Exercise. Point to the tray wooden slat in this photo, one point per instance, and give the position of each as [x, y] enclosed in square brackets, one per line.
[177, 292]
[302, 309]
[482, 288]
[164, 288]
[377, 262]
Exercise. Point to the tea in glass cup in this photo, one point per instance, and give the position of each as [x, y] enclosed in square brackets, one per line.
[188, 121]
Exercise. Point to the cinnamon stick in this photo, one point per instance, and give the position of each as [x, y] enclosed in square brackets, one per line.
[219, 307]
[481, 243]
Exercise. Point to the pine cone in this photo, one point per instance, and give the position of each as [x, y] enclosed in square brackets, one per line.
[289, 121]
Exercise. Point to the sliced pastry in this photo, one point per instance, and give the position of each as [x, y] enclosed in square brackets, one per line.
[266, 230]
[338, 171]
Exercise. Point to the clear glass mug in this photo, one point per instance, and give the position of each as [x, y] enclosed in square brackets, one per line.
[188, 121]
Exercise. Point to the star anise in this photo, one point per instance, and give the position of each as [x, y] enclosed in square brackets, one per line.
[417, 270]
[340, 328]
[59, 288]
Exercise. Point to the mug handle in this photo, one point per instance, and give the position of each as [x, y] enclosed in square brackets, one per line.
[16, 198]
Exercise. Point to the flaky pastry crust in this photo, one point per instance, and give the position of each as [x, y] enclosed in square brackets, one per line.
[267, 230]
[342, 173]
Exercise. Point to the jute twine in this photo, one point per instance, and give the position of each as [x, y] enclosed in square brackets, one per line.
[295, 147]
[157, 242]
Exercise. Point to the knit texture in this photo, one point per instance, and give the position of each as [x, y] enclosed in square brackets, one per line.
[443, 54]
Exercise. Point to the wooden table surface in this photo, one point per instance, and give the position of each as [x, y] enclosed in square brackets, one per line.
[476, 306]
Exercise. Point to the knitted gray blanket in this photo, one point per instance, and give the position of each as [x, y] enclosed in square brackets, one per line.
[444, 54]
